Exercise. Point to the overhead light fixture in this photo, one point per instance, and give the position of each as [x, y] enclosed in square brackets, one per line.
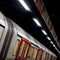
[59, 52]
[44, 32]
[48, 38]
[37, 22]
[51, 42]
[24, 5]
[53, 45]
[56, 48]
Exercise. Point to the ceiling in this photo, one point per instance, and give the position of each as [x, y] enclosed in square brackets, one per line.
[14, 10]
[53, 9]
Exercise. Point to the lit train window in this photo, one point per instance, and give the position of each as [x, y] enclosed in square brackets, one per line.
[30, 52]
[47, 56]
[26, 50]
[1, 31]
[35, 53]
[21, 49]
[39, 55]
[43, 55]
[16, 47]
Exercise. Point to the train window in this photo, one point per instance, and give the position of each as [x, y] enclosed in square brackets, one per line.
[43, 55]
[39, 55]
[30, 52]
[21, 48]
[35, 53]
[16, 47]
[26, 50]
[47, 56]
[1, 31]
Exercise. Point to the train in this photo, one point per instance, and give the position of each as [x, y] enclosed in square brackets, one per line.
[18, 44]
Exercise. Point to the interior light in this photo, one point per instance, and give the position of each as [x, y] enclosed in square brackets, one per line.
[48, 38]
[44, 32]
[51, 42]
[24, 5]
[37, 22]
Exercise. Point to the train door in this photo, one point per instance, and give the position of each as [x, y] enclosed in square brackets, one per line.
[6, 39]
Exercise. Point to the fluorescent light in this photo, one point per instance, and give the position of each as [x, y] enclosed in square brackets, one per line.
[51, 42]
[59, 52]
[44, 32]
[48, 38]
[53, 45]
[24, 5]
[37, 22]
[56, 48]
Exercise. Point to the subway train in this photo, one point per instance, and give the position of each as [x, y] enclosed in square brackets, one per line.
[17, 44]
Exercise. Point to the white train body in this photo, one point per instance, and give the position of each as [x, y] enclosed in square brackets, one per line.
[9, 33]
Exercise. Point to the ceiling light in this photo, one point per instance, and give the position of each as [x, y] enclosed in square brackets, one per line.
[37, 22]
[48, 38]
[56, 48]
[59, 52]
[44, 32]
[24, 5]
[53, 45]
[51, 42]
